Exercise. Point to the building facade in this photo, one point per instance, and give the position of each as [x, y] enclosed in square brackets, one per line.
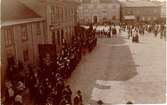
[19, 42]
[99, 11]
[163, 10]
[140, 10]
[61, 18]
[21, 34]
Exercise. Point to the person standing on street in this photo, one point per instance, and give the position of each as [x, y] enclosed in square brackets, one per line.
[78, 98]
[114, 32]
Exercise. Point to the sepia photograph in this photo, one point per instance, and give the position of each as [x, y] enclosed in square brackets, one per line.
[83, 52]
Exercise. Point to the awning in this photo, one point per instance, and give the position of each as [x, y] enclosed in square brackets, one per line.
[130, 17]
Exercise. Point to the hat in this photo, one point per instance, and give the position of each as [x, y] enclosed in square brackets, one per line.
[129, 102]
[79, 92]
[100, 102]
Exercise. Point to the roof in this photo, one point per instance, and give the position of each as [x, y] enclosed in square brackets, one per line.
[139, 3]
[86, 1]
[109, 1]
[20, 21]
[13, 10]
[100, 1]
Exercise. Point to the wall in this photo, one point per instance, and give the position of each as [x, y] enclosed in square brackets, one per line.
[142, 13]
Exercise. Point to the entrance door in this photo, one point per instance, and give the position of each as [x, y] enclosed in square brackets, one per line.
[94, 19]
[53, 38]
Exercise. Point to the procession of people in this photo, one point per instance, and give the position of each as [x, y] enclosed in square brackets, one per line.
[45, 81]
[137, 30]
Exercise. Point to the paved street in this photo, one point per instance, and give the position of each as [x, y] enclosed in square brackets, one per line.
[117, 71]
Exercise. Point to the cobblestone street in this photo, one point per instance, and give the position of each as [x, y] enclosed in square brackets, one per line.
[117, 71]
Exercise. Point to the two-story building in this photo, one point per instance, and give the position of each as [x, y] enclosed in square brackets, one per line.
[140, 10]
[24, 27]
[22, 30]
[61, 17]
[99, 11]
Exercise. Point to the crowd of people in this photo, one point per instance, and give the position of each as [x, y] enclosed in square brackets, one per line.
[106, 31]
[136, 30]
[45, 82]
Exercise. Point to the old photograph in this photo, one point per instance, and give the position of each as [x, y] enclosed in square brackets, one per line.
[83, 52]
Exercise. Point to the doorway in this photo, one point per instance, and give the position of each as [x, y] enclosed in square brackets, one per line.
[53, 38]
[94, 19]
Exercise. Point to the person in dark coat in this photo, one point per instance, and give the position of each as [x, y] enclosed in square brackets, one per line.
[114, 32]
[78, 98]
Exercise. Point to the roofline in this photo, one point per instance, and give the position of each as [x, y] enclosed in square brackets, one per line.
[20, 21]
[65, 1]
[139, 6]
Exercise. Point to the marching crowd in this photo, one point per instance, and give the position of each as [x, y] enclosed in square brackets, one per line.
[106, 31]
[45, 82]
[134, 30]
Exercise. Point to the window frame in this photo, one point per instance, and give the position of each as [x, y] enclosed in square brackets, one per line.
[24, 32]
[9, 36]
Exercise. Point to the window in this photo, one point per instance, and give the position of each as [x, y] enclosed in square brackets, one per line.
[9, 36]
[57, 12]
[114, 7]
[26, 55]
[38, 29]
[114, 18]
[71, 12]
[52, 15]
[66, 13]
[155, 10]
[24, 33]
[61, 14]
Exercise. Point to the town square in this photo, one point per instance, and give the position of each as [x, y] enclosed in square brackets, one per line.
[83, 52]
